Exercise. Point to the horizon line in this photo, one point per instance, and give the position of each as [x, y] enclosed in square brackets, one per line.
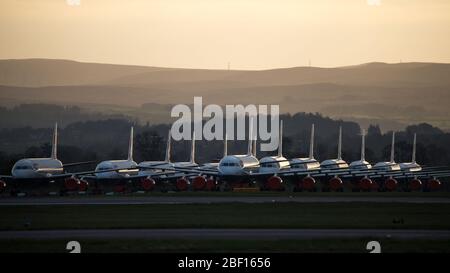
[224, 69]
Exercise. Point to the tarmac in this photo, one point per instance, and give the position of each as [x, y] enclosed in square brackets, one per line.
[142, 200]
[225, 234]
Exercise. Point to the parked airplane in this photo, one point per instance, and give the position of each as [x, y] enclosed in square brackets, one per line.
[273, 164]
[128, 167]
[39, 167]
[124, 171]
[337, 163]
[412, 166]
[361, 164]
[167, 170]
[306, 163]
[33, 172]
[147, 182]
[191, 163]
[391, 170]
[302, 170]
[245, 167]
[231, 168]
[389, 165]
[144, 170]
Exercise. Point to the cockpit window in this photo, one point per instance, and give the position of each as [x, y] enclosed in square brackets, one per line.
[269, 165]
[230, 164]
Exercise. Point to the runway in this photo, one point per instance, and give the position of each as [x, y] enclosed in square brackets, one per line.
[142, 200]
[225, 234]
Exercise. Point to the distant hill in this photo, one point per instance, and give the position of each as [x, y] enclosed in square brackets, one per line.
[48, 72]
[392, 94]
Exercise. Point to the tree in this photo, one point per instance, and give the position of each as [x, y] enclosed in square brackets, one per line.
[423, 128]
[149, 146]
[374, 130]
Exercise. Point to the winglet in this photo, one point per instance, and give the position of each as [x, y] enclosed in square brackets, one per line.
[392, 147]
[55, 142]
[130, 144]
[168, 147]
[311, 143]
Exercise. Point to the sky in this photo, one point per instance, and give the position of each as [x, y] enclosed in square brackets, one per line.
[245, 34]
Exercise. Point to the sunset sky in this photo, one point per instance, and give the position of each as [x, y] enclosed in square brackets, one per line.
[250, 34]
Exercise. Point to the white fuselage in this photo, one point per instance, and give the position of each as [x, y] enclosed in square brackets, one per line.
[387, 166]
[125, 165]
[273, 164]
[304, 164]
[334, 164]
[237, 164]
[360, 165]
[28, 168]
[186, 164]
[410, 166]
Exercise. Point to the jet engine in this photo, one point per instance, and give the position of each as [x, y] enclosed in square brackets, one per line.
[274, 183]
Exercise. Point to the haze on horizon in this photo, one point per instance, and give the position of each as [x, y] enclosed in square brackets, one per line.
[250, 34]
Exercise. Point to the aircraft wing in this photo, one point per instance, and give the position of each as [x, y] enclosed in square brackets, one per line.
[186, 170]
[316, 172]
[342, 172]
[382, 173]
[379, 174]
[85, 173]
[444, 173]
[6, 177]
[313, 172]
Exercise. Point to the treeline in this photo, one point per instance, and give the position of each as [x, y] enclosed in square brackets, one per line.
[108, 139]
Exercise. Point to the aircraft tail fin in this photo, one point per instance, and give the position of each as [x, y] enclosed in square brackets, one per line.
[130, 144]
[363, 145]
[393, 147]
[250, 136]
[169, 146]
[413, 159]
[225, 145]
[54, 154]
[193, 148]
[280, 140]
[340, 144]
[311, 143]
